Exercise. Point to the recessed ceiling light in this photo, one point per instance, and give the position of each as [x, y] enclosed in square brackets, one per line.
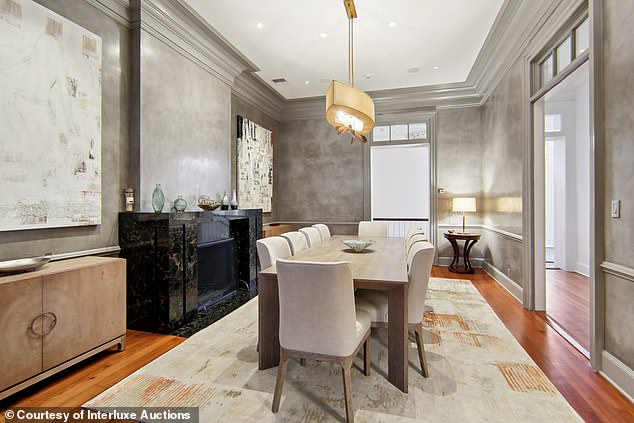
[413, 70]
[392, 24]
[435, 67]
[368, 75]
[259, 25]
[306, 82]
[323, 34]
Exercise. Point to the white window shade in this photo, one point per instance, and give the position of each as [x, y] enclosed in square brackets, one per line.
[400, 181]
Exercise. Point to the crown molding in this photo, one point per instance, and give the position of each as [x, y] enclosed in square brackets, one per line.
[176, 26]
[118, 10]
[250, 88]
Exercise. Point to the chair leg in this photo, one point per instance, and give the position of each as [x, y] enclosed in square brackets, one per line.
[279, 384]
[366, 357]
[421, 352]
[347, 390]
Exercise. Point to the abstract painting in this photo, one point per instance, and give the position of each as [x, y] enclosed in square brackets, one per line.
[50, 119]
[255, 166]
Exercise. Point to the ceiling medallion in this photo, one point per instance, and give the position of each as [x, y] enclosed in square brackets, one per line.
[349, 109]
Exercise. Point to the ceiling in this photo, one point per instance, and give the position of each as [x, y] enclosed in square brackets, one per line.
[432, 41]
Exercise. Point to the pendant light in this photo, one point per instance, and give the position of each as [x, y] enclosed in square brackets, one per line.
[349, 109]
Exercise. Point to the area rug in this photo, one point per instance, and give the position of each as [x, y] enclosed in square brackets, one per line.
[478, 373]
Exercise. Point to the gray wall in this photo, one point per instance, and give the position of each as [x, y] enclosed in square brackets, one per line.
[459, 170]
[619, 174]
[114, 143]
[185, 138]
[318, 174]
[502, 166]
[240, 107]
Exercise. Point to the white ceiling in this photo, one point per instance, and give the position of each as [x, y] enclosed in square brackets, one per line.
[428, 33]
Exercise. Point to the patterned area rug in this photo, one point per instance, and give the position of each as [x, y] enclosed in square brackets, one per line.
[479, 373]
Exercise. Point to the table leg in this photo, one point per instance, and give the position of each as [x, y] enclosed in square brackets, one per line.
[397, 337]
[456, 254]
[467, 250]
[268, 322]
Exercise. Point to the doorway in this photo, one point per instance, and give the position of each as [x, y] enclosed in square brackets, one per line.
[566, 155]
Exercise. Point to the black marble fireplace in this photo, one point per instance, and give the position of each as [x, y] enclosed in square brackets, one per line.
[180, 263]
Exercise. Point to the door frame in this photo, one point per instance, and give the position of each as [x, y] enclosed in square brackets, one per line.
[534, 258]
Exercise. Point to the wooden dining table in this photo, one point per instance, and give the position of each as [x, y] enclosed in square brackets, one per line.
[381, 266]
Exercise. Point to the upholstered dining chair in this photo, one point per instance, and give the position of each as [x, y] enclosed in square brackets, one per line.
[330, 329]
[414, 231]
[312, 235]
[323, 231]
[376, 302]
[372, 229]
[413, 240]
[296, 240]
[270, 249]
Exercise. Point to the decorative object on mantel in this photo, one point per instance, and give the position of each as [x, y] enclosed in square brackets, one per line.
[205, 203]
[234, 201]
[255, 165]
[358, 245]
[129, 199]
[225, 202]
[24, 265]
[50, 166]
[464, 205]
[349, 109]
[158, 199]
[180, 204]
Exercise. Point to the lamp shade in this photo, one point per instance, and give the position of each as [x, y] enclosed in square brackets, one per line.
[348, 106]
[464, 204]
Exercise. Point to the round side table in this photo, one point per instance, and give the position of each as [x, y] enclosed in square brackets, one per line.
[469, 241]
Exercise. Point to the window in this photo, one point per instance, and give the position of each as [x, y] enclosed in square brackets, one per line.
[400, 132]
[582, 38]
[564, 53]
[547, 70]
[552, 123]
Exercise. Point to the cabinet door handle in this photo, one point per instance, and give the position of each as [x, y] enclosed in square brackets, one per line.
[53, 322]
[32, 328]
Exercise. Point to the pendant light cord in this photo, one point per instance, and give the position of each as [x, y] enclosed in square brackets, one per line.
[350, 51]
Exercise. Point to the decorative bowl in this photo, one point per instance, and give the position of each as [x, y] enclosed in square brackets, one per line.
[23, 265]
[205, 203]
[358, 245]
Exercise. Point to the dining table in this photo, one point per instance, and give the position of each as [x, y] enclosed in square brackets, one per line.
[381, 266]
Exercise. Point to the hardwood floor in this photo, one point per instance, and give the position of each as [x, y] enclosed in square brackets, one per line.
[77, 384]
[593, 397]
[568, 303]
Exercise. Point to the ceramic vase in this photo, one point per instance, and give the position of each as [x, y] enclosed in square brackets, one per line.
[158, 199]
[234, 201]
[225, 202]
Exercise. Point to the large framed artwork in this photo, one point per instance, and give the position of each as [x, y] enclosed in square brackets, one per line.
[255, 166]
[50, 119]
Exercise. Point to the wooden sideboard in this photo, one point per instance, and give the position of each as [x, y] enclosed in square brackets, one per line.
[58, 315]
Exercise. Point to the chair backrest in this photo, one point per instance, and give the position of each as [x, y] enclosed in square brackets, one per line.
[323, 231]
[422, 258]
[372, 229]
[296, 240]
[312, 235]
[271, 249]
[317, 308]
[414, 231]
[414, 239]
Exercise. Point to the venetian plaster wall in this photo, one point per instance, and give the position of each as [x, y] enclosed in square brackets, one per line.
[502, 164]
[115, 155]
[185, 118]
[619, 173]
[318, 175]
[240, 107]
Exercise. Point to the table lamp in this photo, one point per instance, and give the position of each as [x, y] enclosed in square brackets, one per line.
[464, 205]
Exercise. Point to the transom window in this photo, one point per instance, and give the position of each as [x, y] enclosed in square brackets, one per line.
[400, 132]
[576, 42]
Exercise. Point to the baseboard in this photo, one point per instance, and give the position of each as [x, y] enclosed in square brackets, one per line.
[507, 283]
[446, 261]
[618, 374]
[583, 269]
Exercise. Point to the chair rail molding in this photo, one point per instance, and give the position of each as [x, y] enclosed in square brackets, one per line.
[506, 234]
[623, 272]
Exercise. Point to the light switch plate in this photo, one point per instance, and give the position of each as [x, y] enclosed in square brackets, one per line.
[616, 209]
